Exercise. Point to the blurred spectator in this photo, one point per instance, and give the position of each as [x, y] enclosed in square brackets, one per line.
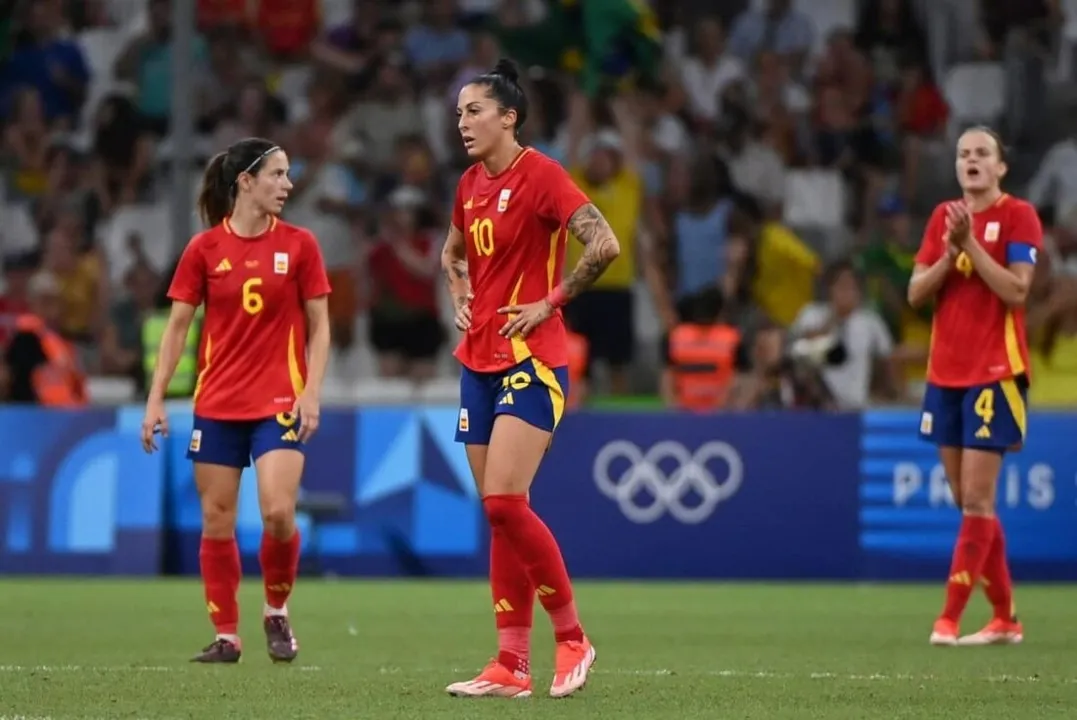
[404, 268]
[888, 32]
[767, 379]
[700, 355]
[785, 272]
[578, 359]
[388, 113]
[79, 279]
[852, 340]
[40, 367]
[67, 192]
[708, 70]
[753, 153]
[436, 45]
[287, 27]
[123, 155]
[121, 350]
[255, 113]
[147, 62]
[1055, 182]
[605, 163]
[775, 27]
[922, 113]
[26, 146]
[484, 54]
[323, 201]
[213, 14]
[232, 67]
[45, 59]
[18, 269]
[353, 49]
[1052, 327]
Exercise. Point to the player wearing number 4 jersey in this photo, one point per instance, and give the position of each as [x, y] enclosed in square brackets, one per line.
[264, 346]
[503, 259]
[976, 260]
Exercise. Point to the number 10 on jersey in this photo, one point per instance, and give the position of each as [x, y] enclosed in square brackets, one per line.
[482, 234]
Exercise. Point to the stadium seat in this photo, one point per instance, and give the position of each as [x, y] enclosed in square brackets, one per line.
[814, 199]
[111, 390]
[976, 93]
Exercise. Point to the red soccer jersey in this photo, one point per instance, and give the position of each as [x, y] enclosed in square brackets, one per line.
[975, 338]
[252, 360]
[515, 228]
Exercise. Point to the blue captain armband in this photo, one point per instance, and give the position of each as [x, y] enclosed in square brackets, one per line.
[1019, 252]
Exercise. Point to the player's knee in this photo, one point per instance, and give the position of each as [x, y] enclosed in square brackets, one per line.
[218, 517]
[278, 519]
[500, 509]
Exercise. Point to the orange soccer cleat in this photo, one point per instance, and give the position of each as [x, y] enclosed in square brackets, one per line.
[572, 664]
[495, 680]
[996, 632]
[944, 633]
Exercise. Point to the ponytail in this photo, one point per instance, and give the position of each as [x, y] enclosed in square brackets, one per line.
[215, 199]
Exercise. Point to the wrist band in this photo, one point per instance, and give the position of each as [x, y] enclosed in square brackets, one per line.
[557, 297]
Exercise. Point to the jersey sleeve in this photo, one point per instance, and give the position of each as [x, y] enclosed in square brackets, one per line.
[1025, 238]
[560, 197]
[189, 281]
[931, 247]
[311, 275]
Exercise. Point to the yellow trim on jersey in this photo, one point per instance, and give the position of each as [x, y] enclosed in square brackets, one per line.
[1013, 347]
[1016, 403]
[520, 351]
[551, 261]
[293, 364]
[205, 369]
[520, 157]
[557, 393]
[228, 226]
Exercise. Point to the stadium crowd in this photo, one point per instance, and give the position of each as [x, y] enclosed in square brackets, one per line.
[767, 167]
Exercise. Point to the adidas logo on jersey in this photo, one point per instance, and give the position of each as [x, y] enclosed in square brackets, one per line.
[290, 436]
[983, 433]
[223, 266]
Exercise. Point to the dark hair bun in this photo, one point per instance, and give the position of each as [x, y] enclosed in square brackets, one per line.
[507, 69]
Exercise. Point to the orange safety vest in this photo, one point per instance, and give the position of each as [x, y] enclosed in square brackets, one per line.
[59, 382]
[578, 351]
[702, 360]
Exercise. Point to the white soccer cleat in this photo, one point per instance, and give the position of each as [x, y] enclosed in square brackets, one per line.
[996, 632]
[944, 634]
[495, 680]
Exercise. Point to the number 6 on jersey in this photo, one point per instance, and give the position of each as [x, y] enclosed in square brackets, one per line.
[252, 299]
[482, 234]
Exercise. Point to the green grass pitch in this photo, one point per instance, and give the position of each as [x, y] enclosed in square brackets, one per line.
[80, 648]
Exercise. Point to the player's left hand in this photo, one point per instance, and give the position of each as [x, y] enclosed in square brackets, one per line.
[308, 410]
[527, 318]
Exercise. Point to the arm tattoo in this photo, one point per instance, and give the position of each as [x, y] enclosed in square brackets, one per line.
[600, 248]
[454, 265]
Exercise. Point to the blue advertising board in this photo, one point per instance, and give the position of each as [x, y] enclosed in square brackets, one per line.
[78, 494]
[908, 519]
[639, 495]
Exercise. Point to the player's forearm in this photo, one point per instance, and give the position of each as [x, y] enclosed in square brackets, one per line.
[926, 283]
[1011, 288]
[454, 266]
[600, 249]
[317, 355]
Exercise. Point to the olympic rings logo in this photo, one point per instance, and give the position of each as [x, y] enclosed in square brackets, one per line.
[644, 476]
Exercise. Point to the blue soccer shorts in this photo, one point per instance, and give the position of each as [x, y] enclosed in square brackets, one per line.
[983, 417]
[528, 390]
[234, 443]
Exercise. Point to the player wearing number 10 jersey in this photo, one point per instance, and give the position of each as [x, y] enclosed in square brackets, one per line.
[503, 258]
[264, 346]
[977, 260]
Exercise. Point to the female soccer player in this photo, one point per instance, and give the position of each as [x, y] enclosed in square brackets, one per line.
[976, 261]
[265, 292]
[503, 258]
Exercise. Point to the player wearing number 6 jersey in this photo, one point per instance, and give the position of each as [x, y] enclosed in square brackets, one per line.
[503, 259]
[264, 346]
[976, 260]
